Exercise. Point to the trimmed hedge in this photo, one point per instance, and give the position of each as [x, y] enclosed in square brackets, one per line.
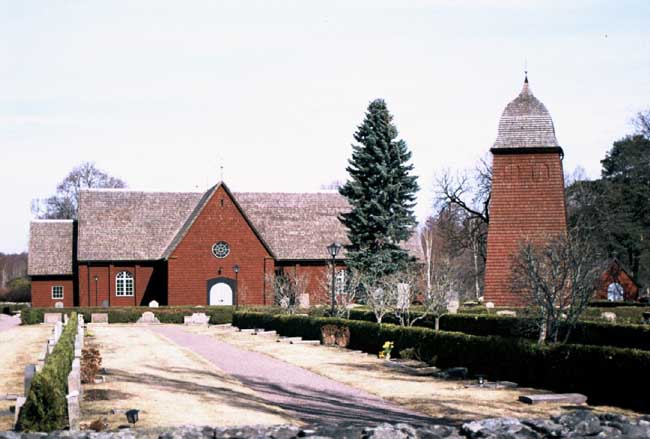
[606, 375]
[218, 314]
[587, 332]
[46, 408]
[12, 308]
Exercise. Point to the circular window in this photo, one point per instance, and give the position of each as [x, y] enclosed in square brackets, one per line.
[221, 249]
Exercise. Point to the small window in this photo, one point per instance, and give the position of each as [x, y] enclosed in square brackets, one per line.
[57, 292]
[124, 284]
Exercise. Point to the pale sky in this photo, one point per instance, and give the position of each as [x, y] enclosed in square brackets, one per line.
[162, 93]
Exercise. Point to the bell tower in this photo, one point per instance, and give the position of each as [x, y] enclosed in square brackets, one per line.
[527, 200]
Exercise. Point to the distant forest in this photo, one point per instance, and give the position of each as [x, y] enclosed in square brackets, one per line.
[14, 284]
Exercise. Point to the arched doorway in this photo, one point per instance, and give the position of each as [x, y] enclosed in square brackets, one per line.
[221, 291]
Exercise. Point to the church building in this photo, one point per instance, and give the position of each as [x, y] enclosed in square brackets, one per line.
[128, 248]
[527, 200]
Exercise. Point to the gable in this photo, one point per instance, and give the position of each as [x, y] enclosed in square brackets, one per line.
[217, 217]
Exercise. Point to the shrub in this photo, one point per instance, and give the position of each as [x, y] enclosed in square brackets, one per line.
[46, 408]
[91, 361]
[12, 308]
[605, 374]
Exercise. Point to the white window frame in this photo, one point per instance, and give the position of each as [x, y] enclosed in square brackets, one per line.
[57, 296]
[124, 284]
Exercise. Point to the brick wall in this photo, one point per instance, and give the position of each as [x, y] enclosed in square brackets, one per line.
[148, 284]
[42, 290]
[527, 203]
[191, 265]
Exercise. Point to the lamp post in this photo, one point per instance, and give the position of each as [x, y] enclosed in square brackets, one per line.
[96, 290]
[333, 250]
[235, 268]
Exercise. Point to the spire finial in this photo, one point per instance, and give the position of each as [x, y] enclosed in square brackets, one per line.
[525, 71]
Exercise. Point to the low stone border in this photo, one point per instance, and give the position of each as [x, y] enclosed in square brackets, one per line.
[576, 424]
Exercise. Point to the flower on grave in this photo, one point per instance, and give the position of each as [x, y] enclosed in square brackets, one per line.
[386, 350]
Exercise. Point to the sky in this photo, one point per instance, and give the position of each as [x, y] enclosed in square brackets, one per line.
[164, 93]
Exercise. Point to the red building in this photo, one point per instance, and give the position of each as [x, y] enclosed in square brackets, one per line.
[616, 285]
[527, 200]
[178, 248]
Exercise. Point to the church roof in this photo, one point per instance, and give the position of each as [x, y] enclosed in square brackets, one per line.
[118, 224]
[50, 247]
[526, 123]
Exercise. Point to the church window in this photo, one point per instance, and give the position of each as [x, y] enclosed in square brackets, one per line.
[615, 292]
[124, 284]
[221, 249]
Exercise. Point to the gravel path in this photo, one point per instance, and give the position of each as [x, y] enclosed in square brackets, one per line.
[304, 394]
[8, 322]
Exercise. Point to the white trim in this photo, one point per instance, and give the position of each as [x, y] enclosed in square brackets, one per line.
[62, 292]
[52, 221]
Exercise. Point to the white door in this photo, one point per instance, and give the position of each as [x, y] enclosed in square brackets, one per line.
[221, 294]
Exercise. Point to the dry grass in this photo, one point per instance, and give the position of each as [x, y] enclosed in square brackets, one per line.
[169, 384]
[19, 347]
[453, 400]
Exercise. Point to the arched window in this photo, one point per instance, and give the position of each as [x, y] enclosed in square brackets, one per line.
[615, 292]
[124, 284]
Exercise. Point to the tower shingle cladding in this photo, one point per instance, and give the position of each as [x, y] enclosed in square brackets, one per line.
[527, 201]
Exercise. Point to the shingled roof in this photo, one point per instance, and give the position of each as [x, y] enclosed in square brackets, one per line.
[526, 123]
[124, 225]
[120, 224]
[50, 247]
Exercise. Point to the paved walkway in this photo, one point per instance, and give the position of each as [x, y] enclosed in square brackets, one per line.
[8, 322]
[305, 395]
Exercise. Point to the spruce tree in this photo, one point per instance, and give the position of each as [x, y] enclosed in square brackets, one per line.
[381, 193]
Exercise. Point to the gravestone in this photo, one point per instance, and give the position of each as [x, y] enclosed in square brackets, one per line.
[489, 305]
[608, 316]
[58, 329]
[452, 306]
[148, 318]
[153, 304]
[30, 370]
[304, 300]
[74, 381]
[58, 305]
[507, 313]
[99, 317]
[51, 317]
[20, 402]
[557, 398]
[74, 411]
[198, 318]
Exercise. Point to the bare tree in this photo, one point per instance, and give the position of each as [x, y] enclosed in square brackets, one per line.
[379, 295]
[557, 278]
[405, 293]
[288, 289]
[642, 123]
[347, 288]
[65, 203]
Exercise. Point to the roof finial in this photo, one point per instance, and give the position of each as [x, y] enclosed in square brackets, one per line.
[525, 71]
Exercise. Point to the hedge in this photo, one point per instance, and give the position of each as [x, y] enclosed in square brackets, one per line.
[218, 314]
[46, 407]
[589, 333]
[12, 308]
[606, 375]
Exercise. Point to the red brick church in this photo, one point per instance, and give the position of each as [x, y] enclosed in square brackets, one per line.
[129, 248]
